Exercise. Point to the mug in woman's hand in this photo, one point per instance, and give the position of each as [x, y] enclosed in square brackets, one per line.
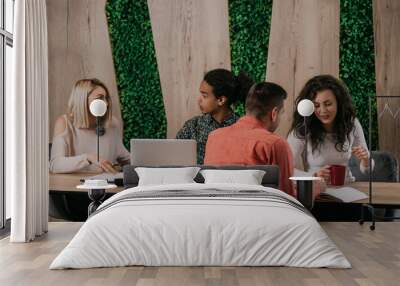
[338, 174]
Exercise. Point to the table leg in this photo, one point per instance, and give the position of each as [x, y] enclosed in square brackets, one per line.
[97, 196]
[305, 193]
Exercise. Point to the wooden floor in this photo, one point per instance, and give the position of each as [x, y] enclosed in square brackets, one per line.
[375, 256]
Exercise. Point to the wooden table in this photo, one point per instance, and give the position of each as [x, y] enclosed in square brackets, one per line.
[68, 183]
[385, 200]
[382, 193]
[64, 185]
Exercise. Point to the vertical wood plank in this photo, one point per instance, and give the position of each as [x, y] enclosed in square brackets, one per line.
[190, 37]
[387, 68]
[79, 47]
[304, 42]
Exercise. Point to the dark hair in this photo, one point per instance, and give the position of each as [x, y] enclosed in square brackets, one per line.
[344, 120]
[263, 97]
[225, 83]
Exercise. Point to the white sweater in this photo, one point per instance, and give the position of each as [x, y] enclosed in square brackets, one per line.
[327, 153]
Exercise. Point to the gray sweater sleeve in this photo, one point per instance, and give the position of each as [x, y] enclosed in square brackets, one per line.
[359, 140]
[123, 155]
[297, 145]
[60, 162]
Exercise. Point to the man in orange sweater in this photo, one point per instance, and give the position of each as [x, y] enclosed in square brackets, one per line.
[251, 140]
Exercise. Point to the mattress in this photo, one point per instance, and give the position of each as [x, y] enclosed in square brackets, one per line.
[201, 225]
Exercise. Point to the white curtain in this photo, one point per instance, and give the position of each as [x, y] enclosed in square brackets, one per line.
[27, 124]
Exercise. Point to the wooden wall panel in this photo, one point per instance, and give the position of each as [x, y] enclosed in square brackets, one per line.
[304, 42]
[190, 37]
[387, 68]
[79, 47]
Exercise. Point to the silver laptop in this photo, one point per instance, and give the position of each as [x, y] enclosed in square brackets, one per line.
[159, 152]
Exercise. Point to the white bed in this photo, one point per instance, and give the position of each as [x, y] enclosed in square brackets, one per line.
[185, 230]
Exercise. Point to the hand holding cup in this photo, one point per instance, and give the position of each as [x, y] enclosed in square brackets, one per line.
[324, 173]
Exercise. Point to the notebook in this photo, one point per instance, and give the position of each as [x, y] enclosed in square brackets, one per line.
[343, 194]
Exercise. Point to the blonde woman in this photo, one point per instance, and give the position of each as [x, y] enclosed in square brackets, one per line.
[74, 146]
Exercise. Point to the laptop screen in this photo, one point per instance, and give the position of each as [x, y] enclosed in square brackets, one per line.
[158, 152]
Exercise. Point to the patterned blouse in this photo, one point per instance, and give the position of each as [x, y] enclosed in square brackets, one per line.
[199, 127]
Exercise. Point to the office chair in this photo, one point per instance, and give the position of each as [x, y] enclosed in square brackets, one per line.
[385, 170]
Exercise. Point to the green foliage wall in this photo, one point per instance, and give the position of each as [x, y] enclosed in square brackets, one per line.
[357, 58]
[136, 69]
[249, 23]
[136, 66]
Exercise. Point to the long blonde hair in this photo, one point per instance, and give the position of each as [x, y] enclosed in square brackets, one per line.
[78, 107]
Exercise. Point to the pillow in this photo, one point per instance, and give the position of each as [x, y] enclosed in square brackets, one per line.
[163, 176]
[248, 177]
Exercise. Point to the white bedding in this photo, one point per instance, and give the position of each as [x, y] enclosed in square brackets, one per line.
[200, 231]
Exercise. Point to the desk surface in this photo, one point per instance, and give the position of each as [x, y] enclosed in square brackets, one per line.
[68, 183]
[382, 193]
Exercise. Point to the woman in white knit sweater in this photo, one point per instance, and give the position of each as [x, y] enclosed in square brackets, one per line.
[74, 142]
[333, 131]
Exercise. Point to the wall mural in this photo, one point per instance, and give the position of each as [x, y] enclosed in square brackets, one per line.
[387, 39]
[357, 59]
[137, 74]
[190, 37]
[249, 26]
[304, 42]
[142, 107]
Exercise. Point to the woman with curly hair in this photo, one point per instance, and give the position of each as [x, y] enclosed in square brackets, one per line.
[333, 131]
